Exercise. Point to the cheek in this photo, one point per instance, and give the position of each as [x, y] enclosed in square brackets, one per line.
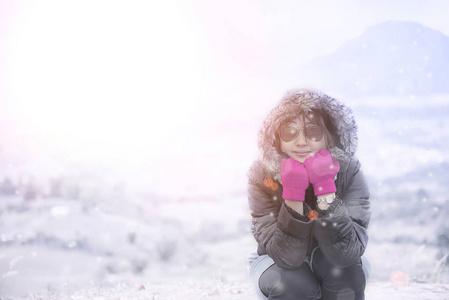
[317, 146]
[322, 144]
[283, 146]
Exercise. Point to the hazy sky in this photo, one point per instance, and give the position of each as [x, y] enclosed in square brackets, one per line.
[279, 33]
[98, 75]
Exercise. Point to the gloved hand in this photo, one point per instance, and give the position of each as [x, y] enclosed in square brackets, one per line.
[295, 180]
[322, 169]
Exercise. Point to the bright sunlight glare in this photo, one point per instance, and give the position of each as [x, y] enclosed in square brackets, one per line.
[103, 77]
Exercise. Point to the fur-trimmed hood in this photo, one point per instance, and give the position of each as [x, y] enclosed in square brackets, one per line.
[340, 116]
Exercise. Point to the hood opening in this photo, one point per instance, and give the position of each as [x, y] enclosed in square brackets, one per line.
[337, 119]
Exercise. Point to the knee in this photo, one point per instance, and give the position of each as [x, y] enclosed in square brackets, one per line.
[289, 284]
[285, 286]
[350, 278]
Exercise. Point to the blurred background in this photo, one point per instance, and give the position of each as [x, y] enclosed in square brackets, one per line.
[127, 129]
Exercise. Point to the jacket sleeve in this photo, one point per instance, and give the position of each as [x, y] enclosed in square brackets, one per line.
[285, 238]
[341, 230]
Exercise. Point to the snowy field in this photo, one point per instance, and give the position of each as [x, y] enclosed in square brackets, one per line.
[103, 236]
[68, 253]
[230, 291]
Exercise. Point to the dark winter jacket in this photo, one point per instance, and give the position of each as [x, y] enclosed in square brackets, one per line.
[287, 236]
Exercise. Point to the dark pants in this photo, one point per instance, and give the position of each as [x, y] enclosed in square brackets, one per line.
[336, 283]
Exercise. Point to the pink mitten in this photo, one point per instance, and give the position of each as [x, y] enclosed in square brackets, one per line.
[295, 180]
[322, 169]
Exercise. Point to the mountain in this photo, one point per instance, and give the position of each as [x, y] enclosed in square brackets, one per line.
[391, 58]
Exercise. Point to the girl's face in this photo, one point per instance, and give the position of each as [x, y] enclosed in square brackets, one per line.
[302, 147]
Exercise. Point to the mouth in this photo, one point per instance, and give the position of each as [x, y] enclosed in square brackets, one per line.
[302, 153]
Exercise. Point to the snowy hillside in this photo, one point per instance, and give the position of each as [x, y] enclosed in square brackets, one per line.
[392, 58]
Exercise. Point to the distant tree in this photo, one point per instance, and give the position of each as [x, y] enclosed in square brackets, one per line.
[55, 187]
[73, 192]
[443, 232]
[7, 187]
[30, 191]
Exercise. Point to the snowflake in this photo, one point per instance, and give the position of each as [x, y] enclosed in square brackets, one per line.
[336, 272]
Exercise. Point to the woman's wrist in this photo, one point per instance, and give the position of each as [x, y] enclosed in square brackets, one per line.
[298, 206]
[325, 201]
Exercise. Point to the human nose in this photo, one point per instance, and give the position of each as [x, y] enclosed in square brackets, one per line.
[301, 139]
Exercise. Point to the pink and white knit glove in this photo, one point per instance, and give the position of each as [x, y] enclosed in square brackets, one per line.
[322, 169]
[295, 180]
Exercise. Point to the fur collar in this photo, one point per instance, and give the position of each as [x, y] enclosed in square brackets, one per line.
[305, 99]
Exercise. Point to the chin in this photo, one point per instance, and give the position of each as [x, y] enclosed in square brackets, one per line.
[300, 159]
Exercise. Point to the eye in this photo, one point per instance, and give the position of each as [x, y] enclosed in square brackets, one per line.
[314, 133]
[288, 133]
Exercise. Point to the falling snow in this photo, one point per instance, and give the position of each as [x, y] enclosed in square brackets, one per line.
[170, 241]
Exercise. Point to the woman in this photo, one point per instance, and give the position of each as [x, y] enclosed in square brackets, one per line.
[309, 202]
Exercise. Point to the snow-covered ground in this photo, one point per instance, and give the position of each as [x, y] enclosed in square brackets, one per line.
[375, 290]
[57, 250]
